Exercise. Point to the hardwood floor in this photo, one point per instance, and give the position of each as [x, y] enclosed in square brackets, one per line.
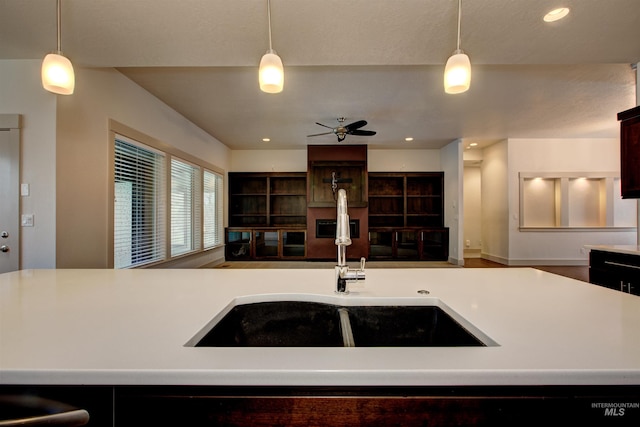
[574, 272]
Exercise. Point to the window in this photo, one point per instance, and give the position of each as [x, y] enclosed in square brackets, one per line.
[139, 220]
[185, 207]
[166, 203]
[213, 215]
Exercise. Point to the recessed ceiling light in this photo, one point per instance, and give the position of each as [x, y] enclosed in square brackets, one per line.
[556, 14]
[473, 144]
[266, 139]
[408, 139]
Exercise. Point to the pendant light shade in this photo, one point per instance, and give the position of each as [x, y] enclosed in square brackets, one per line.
[457, 72]
[57, 71]
[57, 74]
[271, 74]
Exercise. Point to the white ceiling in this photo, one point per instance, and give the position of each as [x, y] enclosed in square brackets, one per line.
[377, 60]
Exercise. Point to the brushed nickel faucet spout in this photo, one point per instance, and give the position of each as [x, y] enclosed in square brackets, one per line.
[344, 274]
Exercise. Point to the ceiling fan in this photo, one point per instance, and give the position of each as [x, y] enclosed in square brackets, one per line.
[342, 131]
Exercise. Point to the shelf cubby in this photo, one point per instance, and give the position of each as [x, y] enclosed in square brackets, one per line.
[267, 199]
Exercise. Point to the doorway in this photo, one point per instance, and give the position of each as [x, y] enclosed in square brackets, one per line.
[9, 192]
[472, 209]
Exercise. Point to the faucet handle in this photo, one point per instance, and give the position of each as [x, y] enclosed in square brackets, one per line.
[362, 263]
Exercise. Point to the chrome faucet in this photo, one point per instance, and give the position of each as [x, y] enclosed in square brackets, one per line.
[345, 274]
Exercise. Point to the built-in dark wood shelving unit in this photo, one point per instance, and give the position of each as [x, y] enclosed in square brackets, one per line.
[283, 215]
[267, 216]
[267, 199]
[406, 216]
[406, 199]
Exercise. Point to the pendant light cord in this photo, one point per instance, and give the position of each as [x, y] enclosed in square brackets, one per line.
[58, 24]
[269, 17]
[459, 19]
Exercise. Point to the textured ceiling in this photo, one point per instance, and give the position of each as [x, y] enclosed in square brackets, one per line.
[377, 60]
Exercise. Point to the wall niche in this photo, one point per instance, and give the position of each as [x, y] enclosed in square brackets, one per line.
[575, 200]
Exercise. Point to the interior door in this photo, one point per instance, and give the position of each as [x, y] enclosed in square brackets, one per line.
[9, 192]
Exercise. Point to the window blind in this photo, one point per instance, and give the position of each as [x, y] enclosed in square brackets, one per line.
[139, 220]
[185, 207]
[213, 209]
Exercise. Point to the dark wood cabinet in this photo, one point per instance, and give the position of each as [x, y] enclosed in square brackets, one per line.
[267, 199]
[406, 199]
[267, 216]
[386, 200]
[170, 405]
[406, 216]
[265, 243]
[288, 200]
[272, 215]
[427, 244]
[238, 244]
[630, 153]
[615, 270]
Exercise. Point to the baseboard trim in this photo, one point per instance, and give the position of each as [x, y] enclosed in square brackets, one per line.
[499, 260]
[456, 261]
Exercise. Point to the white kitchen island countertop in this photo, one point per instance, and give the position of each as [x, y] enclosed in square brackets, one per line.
[121, 327]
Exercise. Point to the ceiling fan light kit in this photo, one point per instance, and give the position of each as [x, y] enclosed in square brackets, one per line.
[57, 71]
[457, 72]
[271, 74]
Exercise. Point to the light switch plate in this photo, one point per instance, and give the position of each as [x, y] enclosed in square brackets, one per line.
[24, 189]
[27, 220]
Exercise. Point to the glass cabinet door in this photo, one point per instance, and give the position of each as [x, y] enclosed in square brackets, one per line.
[407, 244]
[381, 244]
[293, 243]
[267, 244]
[238, 245]
[435, 244]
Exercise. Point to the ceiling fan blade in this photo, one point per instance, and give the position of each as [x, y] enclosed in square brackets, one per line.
[328, 127]
[356, 125]
[362, 132]
[318, 134]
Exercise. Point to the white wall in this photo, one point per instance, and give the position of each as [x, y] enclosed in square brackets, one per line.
[379, 160]
[403, 160]
[64, 157]
[495, 203]
[82, 159]
[21, 93]
[452, 165]
[561, 155]
[268, 161]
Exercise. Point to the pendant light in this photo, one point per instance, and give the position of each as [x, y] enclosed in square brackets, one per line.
[271, 74]
[57, 71]
[457, 73]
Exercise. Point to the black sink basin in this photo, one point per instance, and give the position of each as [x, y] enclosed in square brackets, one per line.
[313, 324]
[277, 324]
[407, 326]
